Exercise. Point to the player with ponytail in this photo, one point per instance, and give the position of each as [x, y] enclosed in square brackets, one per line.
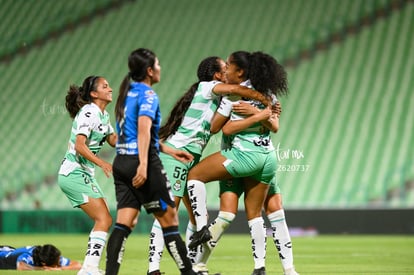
[91, 128]
[248, 154]
[188, 128]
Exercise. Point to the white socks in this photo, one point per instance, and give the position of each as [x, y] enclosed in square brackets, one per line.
[198, 200]
[258, 234]
[281, 238]
[96, 244]
[191, 229]
[216, 228]
[219, 225]
[192, 254]
[156, 246]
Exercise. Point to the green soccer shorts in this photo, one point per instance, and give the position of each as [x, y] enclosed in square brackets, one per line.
[259, 166]
[177, 172]
[78, 186]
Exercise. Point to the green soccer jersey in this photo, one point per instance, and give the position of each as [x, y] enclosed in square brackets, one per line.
[255, 138]
[194, 131]
[95, 125]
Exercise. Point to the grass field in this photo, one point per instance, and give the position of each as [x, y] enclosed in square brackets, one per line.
[326, 254]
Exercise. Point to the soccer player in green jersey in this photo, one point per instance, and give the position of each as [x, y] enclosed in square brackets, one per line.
[91, 128]
[252, 153]
[188, 129]
[231, 190]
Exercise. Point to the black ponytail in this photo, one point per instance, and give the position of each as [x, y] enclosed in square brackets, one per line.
[78, 96]
[177, 113]
[139, 61]
[123, 91]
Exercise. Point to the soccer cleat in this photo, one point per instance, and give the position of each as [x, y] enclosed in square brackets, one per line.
[200, 237]
[259, 271]
[201, 269]
[291, 271]
[155, 272]
[90, 270]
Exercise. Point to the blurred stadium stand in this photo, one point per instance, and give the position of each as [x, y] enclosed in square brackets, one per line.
[346, 136]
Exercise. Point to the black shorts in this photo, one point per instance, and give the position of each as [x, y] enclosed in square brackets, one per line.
[154, 195]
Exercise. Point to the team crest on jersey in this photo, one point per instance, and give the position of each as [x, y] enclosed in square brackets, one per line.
[149, 92]
[149, 96]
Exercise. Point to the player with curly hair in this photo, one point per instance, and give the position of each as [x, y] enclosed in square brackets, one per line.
[250, 156]
[188, 128]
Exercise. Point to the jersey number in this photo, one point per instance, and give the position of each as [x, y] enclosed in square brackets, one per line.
[180, 173]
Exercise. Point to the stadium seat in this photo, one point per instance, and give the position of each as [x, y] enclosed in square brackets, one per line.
[343, 112]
